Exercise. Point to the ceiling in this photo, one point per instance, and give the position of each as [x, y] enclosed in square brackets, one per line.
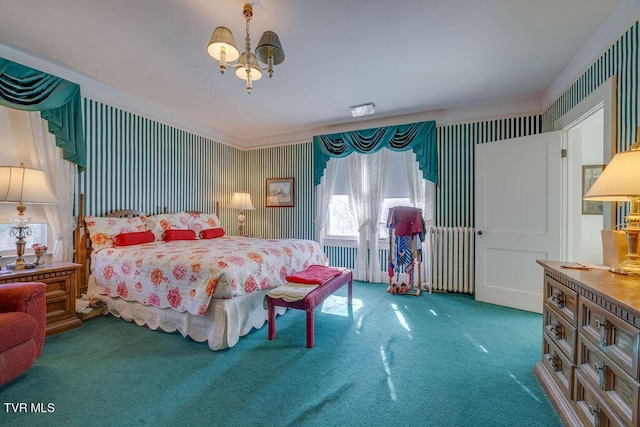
[405, 56]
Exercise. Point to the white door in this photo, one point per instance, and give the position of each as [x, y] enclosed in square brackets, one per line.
[517, 218]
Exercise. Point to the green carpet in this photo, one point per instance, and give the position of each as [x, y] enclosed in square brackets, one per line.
[436, 360]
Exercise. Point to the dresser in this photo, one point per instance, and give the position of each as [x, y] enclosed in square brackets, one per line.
[61, 280]
[591, 329]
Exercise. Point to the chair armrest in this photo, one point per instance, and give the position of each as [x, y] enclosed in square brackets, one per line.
[30, 298]
[17, 296]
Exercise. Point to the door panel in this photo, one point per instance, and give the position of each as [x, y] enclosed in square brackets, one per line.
[518, 218]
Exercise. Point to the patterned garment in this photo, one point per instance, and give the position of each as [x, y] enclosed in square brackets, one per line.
[185, 275]
[403, 245]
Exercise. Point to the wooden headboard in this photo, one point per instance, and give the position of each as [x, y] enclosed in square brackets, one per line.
[83, 242]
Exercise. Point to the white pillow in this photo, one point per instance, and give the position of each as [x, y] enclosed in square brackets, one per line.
[159, 223]
[102, 230]
[200, 221]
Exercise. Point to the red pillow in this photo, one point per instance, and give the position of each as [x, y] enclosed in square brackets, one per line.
[179, 235]
[212, 233]
[136, 238]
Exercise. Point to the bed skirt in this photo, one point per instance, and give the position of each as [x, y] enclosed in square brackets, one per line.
[224, 322]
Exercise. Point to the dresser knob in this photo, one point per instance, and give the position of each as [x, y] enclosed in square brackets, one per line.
[558, 299]
[602, 325]
[554, 361]
[599, 367]
[595, 411]
[556, 330]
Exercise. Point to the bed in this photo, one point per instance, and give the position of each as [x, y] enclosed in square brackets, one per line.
[181, 272]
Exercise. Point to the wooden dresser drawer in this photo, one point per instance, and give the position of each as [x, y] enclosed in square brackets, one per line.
[559, 365]
[563, 299]
[615, 337]
[612, 384]
[560, 331]
[591, 408]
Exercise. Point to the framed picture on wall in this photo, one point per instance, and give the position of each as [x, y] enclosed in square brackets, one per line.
[589, 175]
[280, 193]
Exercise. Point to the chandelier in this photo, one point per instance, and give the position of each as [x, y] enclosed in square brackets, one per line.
[223, 48]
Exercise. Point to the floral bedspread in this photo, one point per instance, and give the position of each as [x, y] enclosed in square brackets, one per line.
[185, 275]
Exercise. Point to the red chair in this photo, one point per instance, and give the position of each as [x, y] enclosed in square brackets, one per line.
[22, 325]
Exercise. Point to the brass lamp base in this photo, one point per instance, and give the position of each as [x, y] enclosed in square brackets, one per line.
[627, 267]
[20, 265]
[631, 265]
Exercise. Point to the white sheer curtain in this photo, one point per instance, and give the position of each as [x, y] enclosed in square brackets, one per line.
[422, 194]
[376, 165]
[366, 185]
[47, 156]
[324, 191]
[357, 188]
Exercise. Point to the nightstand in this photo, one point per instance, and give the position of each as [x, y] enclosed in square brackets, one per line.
[61, 280]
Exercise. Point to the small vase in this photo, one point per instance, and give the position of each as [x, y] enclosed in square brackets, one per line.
[39, 260]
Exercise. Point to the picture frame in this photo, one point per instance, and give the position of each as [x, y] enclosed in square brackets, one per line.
[589, 175]
[280, 192]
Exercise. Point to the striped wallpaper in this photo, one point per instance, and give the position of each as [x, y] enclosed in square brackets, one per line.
[137, 163]
[620, 59]
[281, 162]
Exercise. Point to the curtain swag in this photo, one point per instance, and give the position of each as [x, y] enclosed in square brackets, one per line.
[419, 137]
[58, 100]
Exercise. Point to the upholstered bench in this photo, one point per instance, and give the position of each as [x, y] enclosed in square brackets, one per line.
[309, 303]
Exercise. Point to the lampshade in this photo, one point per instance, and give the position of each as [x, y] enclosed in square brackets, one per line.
[223, 37]
[241, 201]
[619, 181]
[20, 184]
[269, 45]
[241, 71]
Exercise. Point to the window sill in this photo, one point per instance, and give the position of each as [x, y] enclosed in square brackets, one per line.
[349, 242]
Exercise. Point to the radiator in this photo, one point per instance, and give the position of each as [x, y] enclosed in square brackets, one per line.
[451, 259]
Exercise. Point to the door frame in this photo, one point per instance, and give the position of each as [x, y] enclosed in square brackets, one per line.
[605, 97]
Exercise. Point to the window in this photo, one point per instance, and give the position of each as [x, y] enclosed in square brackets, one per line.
[8, 242]
[341, 222]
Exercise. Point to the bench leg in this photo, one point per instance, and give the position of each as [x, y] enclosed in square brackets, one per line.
[310, 329]
[272, 321]
[350, 292]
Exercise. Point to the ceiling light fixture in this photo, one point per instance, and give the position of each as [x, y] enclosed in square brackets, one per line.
[362, 110]
[223, 48]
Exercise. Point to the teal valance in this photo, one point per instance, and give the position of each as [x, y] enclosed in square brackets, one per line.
[58, 100]
[419, 137]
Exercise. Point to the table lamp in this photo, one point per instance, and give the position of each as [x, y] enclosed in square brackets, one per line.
[620, 181]
[23, 185]
[243, 202]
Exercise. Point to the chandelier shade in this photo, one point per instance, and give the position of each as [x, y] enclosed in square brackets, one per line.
[223, 43]
[241, 70]
[222, 47]
[269, 50]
